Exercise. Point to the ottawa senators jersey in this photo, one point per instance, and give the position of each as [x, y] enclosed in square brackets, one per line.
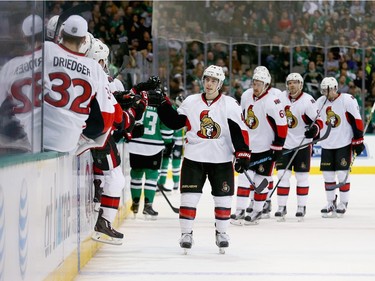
[208, 137]
[20, 79]
[300, 113]
[344, 116]
[74, 85]
[265, 119]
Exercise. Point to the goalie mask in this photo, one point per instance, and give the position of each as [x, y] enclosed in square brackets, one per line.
[215, 71]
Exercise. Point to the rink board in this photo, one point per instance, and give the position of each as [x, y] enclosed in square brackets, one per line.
[47, 217]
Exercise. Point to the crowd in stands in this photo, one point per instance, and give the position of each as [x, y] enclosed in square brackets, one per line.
[328, 38]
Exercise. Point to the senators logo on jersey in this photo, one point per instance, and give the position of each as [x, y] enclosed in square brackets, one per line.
[251, 120]
[209, 129]
[290, 118]
[332, 117]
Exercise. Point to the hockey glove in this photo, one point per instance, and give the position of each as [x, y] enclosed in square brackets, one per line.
[157, 97]
[358, 146]
[126, 99]
[242, 161]
[138, 131]
[151, 84]
[276, 153]
[10, 126]
[140, 103]
[168, 150]
[312, 132]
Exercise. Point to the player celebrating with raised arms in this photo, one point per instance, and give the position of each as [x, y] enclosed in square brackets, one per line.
[346, 137]
[215, 133]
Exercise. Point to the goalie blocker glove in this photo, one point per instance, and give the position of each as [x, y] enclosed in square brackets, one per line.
[242, 161]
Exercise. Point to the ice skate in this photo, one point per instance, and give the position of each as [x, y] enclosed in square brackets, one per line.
[301, 211]
[175, 186]
[329, 211]
[98, 191]
[266, 209]
[186, 241]
[134, 208]
[238, 217]
[341, 209]
[280, 213]
[104, 232]
[149, 212]
[253, 218]
[250, 208]
[222, 241]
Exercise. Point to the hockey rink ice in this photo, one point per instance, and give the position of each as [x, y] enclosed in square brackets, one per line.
[315, 249]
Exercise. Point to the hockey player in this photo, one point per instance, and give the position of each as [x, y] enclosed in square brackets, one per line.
[108, 177]
[75, 87]
[173, 154]
[21, 95]
[215, 133]
[244, 188]
[145, 155]
[301, 113]
[346, 138]
[265, 118]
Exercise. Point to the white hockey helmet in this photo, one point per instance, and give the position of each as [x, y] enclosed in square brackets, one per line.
[32, 25]
[87, 44]
[215, 72]
[262, 75]
[98, 51]
[294, 77]
[328, 84]
[51, 27]
[260, 68]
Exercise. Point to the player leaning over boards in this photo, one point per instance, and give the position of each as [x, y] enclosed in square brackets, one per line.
[215, 133]
[346, 137]
[75, 87]
[303, 125]
[108, 177]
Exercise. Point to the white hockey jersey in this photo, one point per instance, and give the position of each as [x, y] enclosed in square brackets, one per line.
[265, 119]
[299, 112]
[20, 78]
[344, 116]
[71, 82]
[208, 136]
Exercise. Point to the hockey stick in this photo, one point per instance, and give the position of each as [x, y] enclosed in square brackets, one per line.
[125, 60]
[340, 184]
[296, 150]
[174, 209]
[260, 187]
[268, 158]
[369, 119]
[75, 10]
